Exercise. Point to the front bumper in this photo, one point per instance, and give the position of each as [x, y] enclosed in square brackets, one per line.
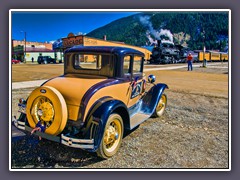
[87, 144]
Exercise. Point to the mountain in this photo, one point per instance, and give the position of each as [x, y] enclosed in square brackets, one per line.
[190, 29]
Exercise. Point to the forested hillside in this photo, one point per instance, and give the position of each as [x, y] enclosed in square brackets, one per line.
[190, 29]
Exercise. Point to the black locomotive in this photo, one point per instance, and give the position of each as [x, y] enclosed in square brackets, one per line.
[166, 52]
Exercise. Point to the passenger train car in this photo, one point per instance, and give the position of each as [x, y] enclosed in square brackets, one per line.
[212, 56]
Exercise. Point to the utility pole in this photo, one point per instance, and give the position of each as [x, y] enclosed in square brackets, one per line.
[204, 49]
[25, 45]
[13, 54]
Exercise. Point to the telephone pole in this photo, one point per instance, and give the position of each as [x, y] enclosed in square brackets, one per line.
[25, 45]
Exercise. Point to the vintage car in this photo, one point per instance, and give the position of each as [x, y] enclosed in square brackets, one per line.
[92, 104]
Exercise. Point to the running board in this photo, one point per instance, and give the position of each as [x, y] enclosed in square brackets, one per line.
[137, 119]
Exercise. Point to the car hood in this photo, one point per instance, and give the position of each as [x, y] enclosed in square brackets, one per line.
[74, 88]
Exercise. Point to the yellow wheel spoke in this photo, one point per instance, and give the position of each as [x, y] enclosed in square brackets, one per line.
[161, 105]
[43, 110]
[112, 136]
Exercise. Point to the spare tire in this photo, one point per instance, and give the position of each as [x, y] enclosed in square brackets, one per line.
[46, 104]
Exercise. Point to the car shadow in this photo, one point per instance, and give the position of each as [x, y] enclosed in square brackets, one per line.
[27, 151]
[30, 152]
[128, 132]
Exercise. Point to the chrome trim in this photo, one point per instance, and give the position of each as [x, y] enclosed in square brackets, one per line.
[81, 146]
[22, 108]
[19, 124]
[65, 140]
[137, 119]
[77, 143]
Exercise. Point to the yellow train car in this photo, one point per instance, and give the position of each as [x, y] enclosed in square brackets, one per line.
[215, 56]
[224, 56]
[202, 56]
[89, 41]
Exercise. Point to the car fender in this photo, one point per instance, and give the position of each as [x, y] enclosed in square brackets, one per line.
[98, 116]
[152, 97]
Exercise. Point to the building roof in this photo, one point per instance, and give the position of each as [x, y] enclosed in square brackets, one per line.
[34, 49]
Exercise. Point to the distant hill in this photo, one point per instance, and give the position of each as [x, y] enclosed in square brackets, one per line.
[185, 28]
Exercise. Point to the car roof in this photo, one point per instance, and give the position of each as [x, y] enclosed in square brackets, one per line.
[104, 49]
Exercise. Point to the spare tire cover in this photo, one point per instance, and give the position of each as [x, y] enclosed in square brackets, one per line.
[46, 104]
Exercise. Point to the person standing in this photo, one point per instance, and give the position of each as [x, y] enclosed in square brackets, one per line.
[189, 61]
[32, 59]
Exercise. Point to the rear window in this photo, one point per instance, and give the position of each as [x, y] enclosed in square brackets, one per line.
[89, 63]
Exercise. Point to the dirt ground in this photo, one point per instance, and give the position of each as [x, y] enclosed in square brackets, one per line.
[192, 133]
[31, 72]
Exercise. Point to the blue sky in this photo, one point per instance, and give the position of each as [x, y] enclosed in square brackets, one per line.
[47, 26]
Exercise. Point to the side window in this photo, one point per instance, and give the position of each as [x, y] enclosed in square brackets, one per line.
[137, 62]
[126, 64]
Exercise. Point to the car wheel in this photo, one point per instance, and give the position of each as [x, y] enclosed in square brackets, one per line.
[47, 105]
[161, 106]
[112, 137]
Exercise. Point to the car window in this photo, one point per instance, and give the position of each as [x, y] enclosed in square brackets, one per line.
[137, 62]
[89, 61]
[126, 64]
[101, 64]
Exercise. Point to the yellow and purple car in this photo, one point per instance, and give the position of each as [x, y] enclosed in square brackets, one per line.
[101, 95]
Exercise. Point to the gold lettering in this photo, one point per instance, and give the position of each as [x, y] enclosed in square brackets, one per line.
[71, 41]
[88, 41]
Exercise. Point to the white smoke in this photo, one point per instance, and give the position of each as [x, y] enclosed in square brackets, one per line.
[167, 33]
[151, 40]
[155, 33]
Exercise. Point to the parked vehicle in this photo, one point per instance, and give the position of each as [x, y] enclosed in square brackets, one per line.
[92, 104]
[15, 61]
[45, 60]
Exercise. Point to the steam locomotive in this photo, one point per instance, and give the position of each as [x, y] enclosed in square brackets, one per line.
[166, 53]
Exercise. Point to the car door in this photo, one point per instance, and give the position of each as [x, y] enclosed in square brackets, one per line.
[133, 69]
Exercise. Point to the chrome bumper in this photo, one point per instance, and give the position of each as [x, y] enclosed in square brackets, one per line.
[77, 143]
[65, 140]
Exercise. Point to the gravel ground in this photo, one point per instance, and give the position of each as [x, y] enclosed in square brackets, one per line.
[192, 133]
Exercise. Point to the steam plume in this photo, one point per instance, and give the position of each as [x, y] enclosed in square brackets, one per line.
[155, 33]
